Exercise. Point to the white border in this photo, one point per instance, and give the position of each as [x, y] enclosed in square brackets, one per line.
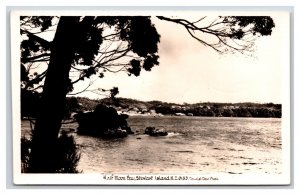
[94, 179]
[6, 186]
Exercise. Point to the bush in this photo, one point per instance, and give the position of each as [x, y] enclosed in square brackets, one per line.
[67, 154]
[25, 154]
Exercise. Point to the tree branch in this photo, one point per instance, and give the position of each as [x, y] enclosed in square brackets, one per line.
[34, 58]
[223, 30]
[42, 41]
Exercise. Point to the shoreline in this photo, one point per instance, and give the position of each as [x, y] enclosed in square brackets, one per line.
[174, 115]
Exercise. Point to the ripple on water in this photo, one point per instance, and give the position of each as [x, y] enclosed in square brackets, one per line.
[183, 151]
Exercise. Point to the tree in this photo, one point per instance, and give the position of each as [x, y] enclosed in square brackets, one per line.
[227, 34]
[101, 44]
[86, 46]
[78, 42]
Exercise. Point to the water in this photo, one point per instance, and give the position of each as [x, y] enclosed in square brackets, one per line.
[198, 145]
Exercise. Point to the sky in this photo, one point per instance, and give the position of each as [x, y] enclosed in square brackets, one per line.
[189, 72]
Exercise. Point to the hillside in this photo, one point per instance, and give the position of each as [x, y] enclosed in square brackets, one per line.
[132, 107]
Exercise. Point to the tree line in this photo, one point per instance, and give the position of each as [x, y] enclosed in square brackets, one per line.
[31, 104]
[210, 109]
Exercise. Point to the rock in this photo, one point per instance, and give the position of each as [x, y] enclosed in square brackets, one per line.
[72, 130]
[155, 132]
[128, 129]
[149, 130]
[162, 132]
[104, 122]
[115, 133]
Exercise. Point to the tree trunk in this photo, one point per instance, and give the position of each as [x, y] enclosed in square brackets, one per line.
[48, 123]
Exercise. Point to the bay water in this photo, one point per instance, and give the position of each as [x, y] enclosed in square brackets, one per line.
[198, 145]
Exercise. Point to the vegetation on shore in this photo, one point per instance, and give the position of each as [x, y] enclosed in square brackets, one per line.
[131, 106]
[66, 148]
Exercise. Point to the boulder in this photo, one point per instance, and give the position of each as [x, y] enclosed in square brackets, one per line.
[152, 131]
[103, 122]
[115, 133]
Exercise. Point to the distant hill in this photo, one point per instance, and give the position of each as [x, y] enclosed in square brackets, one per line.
[132, 106]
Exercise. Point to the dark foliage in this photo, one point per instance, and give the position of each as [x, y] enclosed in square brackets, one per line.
[137, 32]
[30, 103]
[66, 160]
[261, 24]
[199, 109]
[231, 33]
[72, 106]
[135, 67]
[24, 73]
[25, 154]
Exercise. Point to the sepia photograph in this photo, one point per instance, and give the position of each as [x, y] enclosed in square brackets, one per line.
[172, 97]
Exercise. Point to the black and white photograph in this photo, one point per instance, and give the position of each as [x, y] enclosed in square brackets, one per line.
[172, 97]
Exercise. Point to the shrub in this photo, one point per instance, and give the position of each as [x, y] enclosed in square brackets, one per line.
[67, 154]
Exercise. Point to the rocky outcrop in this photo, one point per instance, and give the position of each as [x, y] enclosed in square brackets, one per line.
[104, 122]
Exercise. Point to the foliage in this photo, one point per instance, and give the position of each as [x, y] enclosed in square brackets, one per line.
[227, 34]
[82, 104]
[66, 148]
[72, 105]
[68, 153]
[128, 43]
[25, 154]
[101, 44]
[30, 103]
[199, 109]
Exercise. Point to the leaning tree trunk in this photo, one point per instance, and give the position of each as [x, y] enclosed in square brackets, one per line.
[48, 123]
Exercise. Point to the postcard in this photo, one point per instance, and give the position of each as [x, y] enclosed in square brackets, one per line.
[151, 97]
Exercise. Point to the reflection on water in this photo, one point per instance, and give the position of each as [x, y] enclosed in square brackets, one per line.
[194, 145]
